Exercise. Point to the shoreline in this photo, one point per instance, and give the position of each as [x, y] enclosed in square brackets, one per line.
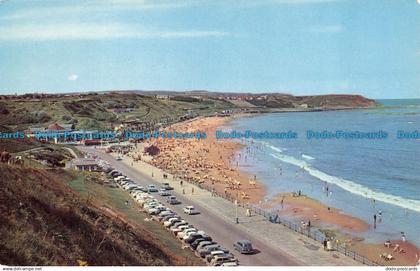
[210, 162]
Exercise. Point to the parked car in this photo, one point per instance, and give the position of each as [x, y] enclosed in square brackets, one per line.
[175, 226]
[172, 200]
[144, 189]
[115, 173]
[233, 262]
[119, 158]
[164, 192]
[152, 211]
[220, 259]
[171, 221]
[244, 246]
[185, 231]
[164, 218]
[207, 249]
[219, 252]
[151, 188]
[132, 187]
[166, 186]
[151, 203]
[181, 228]
[190, 233]
[199, 241]
[192, 237]
[190, 210]
[205, 244]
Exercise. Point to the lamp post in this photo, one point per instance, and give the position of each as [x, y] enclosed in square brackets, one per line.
[236, 209]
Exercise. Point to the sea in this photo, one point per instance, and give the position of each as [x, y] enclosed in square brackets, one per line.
[364, 175]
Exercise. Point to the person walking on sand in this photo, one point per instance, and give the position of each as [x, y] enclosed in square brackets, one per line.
[192, 190]
[282, 202]
[403, 238]
[325, 244]
[374, 221]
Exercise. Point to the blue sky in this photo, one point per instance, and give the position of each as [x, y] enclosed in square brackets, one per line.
[368, 47]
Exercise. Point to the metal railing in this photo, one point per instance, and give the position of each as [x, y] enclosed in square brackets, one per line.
[310, 232]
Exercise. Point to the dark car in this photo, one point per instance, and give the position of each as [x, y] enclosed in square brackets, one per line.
[173, 200]
[244, 247]
[166, 217]
[115, 173]
[177, 224]
[203, 252]
[166, 186]
[193, 237]
[197, 241]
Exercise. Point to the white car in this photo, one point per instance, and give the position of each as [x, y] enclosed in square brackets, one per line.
[139, 194]
[151, 205]
[188, 234]
[119, 178]
[129, 186]
[153, 211]
[171, 221]
[143, 198]
[190, 210]
[185, 231]
[119, 158]
[183, 224]
[232, 263]
[164, 192]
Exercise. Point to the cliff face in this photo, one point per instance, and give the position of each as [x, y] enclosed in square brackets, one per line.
[336, 101]
[332, 101]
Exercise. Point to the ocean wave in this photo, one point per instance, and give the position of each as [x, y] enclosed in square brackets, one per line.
[350, 186]
[274, 148]
[307, 157]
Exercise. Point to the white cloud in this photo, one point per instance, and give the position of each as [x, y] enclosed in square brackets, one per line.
[327, 29]
[73, 77]
[94, 31]
[101, 6]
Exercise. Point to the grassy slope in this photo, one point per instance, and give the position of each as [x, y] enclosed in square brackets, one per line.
[116, 198]
[43, 222]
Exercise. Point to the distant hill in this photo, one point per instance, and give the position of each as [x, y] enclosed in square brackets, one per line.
[102, 111]
[44, 222]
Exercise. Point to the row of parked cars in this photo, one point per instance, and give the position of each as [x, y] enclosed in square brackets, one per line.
[197, 240]
[203, 245]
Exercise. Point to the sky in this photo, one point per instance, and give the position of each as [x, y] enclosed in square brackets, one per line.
[301, 47]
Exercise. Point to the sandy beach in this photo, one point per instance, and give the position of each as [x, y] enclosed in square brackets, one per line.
[209, 161]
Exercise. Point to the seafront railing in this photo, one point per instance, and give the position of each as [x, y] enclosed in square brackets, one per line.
[310, 232]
